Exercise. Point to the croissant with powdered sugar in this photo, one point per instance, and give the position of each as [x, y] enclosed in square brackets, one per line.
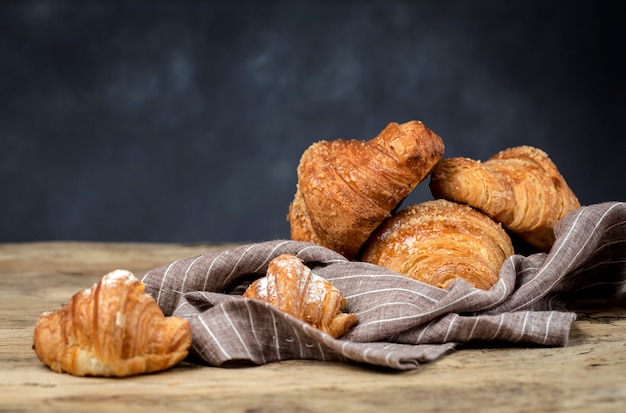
[438, 241]
[113, 329]
[292, 287]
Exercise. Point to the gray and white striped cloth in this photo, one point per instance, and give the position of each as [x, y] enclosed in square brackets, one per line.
[402, 322]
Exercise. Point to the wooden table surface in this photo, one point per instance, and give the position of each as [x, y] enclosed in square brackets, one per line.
[587, 375]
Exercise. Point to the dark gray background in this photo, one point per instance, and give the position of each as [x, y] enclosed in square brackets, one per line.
[184, 121]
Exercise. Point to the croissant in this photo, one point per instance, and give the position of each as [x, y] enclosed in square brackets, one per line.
[519, 187]
[112, 329]
[439, 241]
[346, 188]
[292, 287]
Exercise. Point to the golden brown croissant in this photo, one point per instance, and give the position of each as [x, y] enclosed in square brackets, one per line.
[439, 241]
[519, 187]
[113, 328]
[346, 188]
[291, 286]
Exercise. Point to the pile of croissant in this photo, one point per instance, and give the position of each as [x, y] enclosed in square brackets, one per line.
[347, 199]
[349, 191]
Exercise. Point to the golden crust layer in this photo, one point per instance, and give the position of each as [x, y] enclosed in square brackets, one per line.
[519, 187]
[292, 287]
[439, 241]
[113, 329]
[346, 188]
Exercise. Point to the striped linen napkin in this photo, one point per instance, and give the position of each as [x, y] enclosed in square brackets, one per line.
[402, 322]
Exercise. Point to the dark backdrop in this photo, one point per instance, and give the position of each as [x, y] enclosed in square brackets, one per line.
[184, 121]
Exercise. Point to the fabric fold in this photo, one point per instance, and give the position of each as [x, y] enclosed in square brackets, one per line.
[402, 322]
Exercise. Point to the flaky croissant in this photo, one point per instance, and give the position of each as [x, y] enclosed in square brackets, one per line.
[439, 241]
[519, 187]
[113, 329]
[346, 188]
[293, 288]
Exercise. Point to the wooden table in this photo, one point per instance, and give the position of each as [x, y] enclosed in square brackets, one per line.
[588, 375]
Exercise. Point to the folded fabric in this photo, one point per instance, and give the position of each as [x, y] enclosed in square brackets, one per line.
[402, 322]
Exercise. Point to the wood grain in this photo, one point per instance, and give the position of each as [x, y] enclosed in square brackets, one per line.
[588, 375]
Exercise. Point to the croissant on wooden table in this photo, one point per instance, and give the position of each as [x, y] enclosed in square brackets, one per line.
[113, 329]
[346, 188]
[439, 241]
[519, 187]
[293, 288]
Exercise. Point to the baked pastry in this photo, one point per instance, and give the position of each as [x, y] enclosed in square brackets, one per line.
[292, 287]
[112, 329]
[519, 187]
[439, 241]
[346, 188]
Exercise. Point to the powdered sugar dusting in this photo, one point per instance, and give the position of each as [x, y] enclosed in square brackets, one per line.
[120, 319]
[316, 289]
[261, 288]
[119, 276]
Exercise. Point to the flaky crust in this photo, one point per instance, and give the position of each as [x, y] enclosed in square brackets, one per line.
[292, 287]
[519, 187]
[113, 329]
[439, 241]
[346, 188]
